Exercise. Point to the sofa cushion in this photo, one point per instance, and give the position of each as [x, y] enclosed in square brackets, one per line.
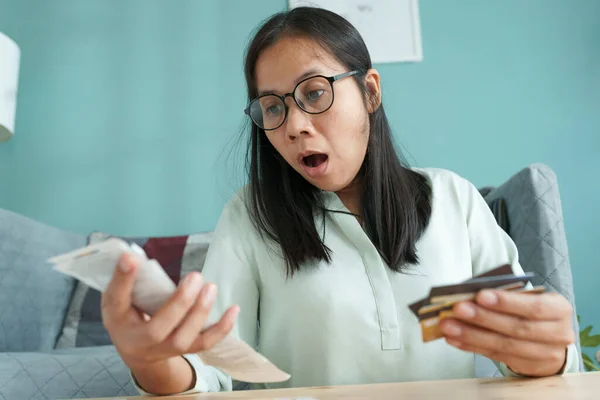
[33, 297]
[534, 209]
[178, 255]
[76, 373]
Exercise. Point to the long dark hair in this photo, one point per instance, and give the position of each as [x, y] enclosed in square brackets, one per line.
[396, 202]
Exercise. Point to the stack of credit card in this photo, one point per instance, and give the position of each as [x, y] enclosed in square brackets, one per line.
[431, 310]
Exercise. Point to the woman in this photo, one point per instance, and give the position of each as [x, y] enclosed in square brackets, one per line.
[332, 239]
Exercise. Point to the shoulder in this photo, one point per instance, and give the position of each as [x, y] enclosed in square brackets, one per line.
[237, 221]
[236, 210]
[451, 189]
[237, 205]
[234, 235]
[444, 180]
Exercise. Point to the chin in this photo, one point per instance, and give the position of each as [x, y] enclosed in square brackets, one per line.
[329, 185]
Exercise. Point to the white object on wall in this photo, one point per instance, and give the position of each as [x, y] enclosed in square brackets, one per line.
[10, 56]
[391, 29]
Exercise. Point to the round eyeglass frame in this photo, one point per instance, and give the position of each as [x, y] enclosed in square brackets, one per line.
[292, 94]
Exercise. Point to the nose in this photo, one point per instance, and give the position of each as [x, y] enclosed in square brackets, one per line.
[298, 122]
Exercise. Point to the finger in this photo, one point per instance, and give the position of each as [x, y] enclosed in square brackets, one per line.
[192, 325]
[516, 364]
[473, 336]
[553, 332]
[546, 306]
[170, 315]
[215, 333]
[116, 300]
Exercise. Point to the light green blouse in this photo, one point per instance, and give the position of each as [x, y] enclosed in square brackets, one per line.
[349, 322]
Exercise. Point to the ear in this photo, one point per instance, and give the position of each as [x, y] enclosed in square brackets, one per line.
[373, 85]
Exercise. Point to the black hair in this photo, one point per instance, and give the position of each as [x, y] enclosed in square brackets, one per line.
[396, 201]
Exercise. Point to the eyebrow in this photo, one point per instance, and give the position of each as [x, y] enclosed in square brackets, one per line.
[310, 72]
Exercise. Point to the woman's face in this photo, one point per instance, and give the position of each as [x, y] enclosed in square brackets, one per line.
[327, 149]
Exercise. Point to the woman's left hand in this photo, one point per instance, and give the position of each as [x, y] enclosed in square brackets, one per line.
[527, 332]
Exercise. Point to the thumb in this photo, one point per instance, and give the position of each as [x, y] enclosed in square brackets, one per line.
[116, 301]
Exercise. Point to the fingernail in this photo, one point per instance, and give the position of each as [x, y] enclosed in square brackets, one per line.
[209, 295]
[487, 298]
[451, 329]
[193, 283]
[236, 311]
[127, 263]
[465, 310]
[452, 342]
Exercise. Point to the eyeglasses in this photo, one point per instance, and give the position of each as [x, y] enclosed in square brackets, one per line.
[313, 95]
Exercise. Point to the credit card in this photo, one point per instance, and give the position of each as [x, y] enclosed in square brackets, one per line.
[438, 305]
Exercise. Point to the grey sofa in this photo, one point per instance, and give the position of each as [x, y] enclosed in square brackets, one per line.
[34, 300]
[33, 305]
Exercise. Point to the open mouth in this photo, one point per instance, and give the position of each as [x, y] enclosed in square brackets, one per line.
[314, 160]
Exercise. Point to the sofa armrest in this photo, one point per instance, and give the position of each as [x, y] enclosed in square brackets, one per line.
[33, 297]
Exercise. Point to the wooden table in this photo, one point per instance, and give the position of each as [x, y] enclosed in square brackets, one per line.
[580, 386]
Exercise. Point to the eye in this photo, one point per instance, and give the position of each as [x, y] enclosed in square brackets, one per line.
[314, 94]
[274, 109]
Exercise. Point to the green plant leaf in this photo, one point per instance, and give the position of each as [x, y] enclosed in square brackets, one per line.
[589, 364]
[584, 336]
[591, 341]
[586, 332]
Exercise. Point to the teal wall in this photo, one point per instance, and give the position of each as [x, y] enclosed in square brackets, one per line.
[127, 108]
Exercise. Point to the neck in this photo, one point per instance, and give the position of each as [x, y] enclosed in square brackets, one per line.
[351, 196]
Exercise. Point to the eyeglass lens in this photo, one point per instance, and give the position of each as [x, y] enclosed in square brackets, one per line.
[314, 96]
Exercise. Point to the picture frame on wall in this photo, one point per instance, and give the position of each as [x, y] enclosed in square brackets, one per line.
[391, 29]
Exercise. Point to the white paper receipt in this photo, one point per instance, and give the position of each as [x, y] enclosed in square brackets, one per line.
[94, 265]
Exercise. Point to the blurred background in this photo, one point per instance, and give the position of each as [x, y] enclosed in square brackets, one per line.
[130, 112]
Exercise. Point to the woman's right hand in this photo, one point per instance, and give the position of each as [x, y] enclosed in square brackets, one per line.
[153, 346]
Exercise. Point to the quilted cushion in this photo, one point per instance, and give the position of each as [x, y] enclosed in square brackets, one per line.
[178, 255]
[78, 373]
[534, 209]
[33, 297]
